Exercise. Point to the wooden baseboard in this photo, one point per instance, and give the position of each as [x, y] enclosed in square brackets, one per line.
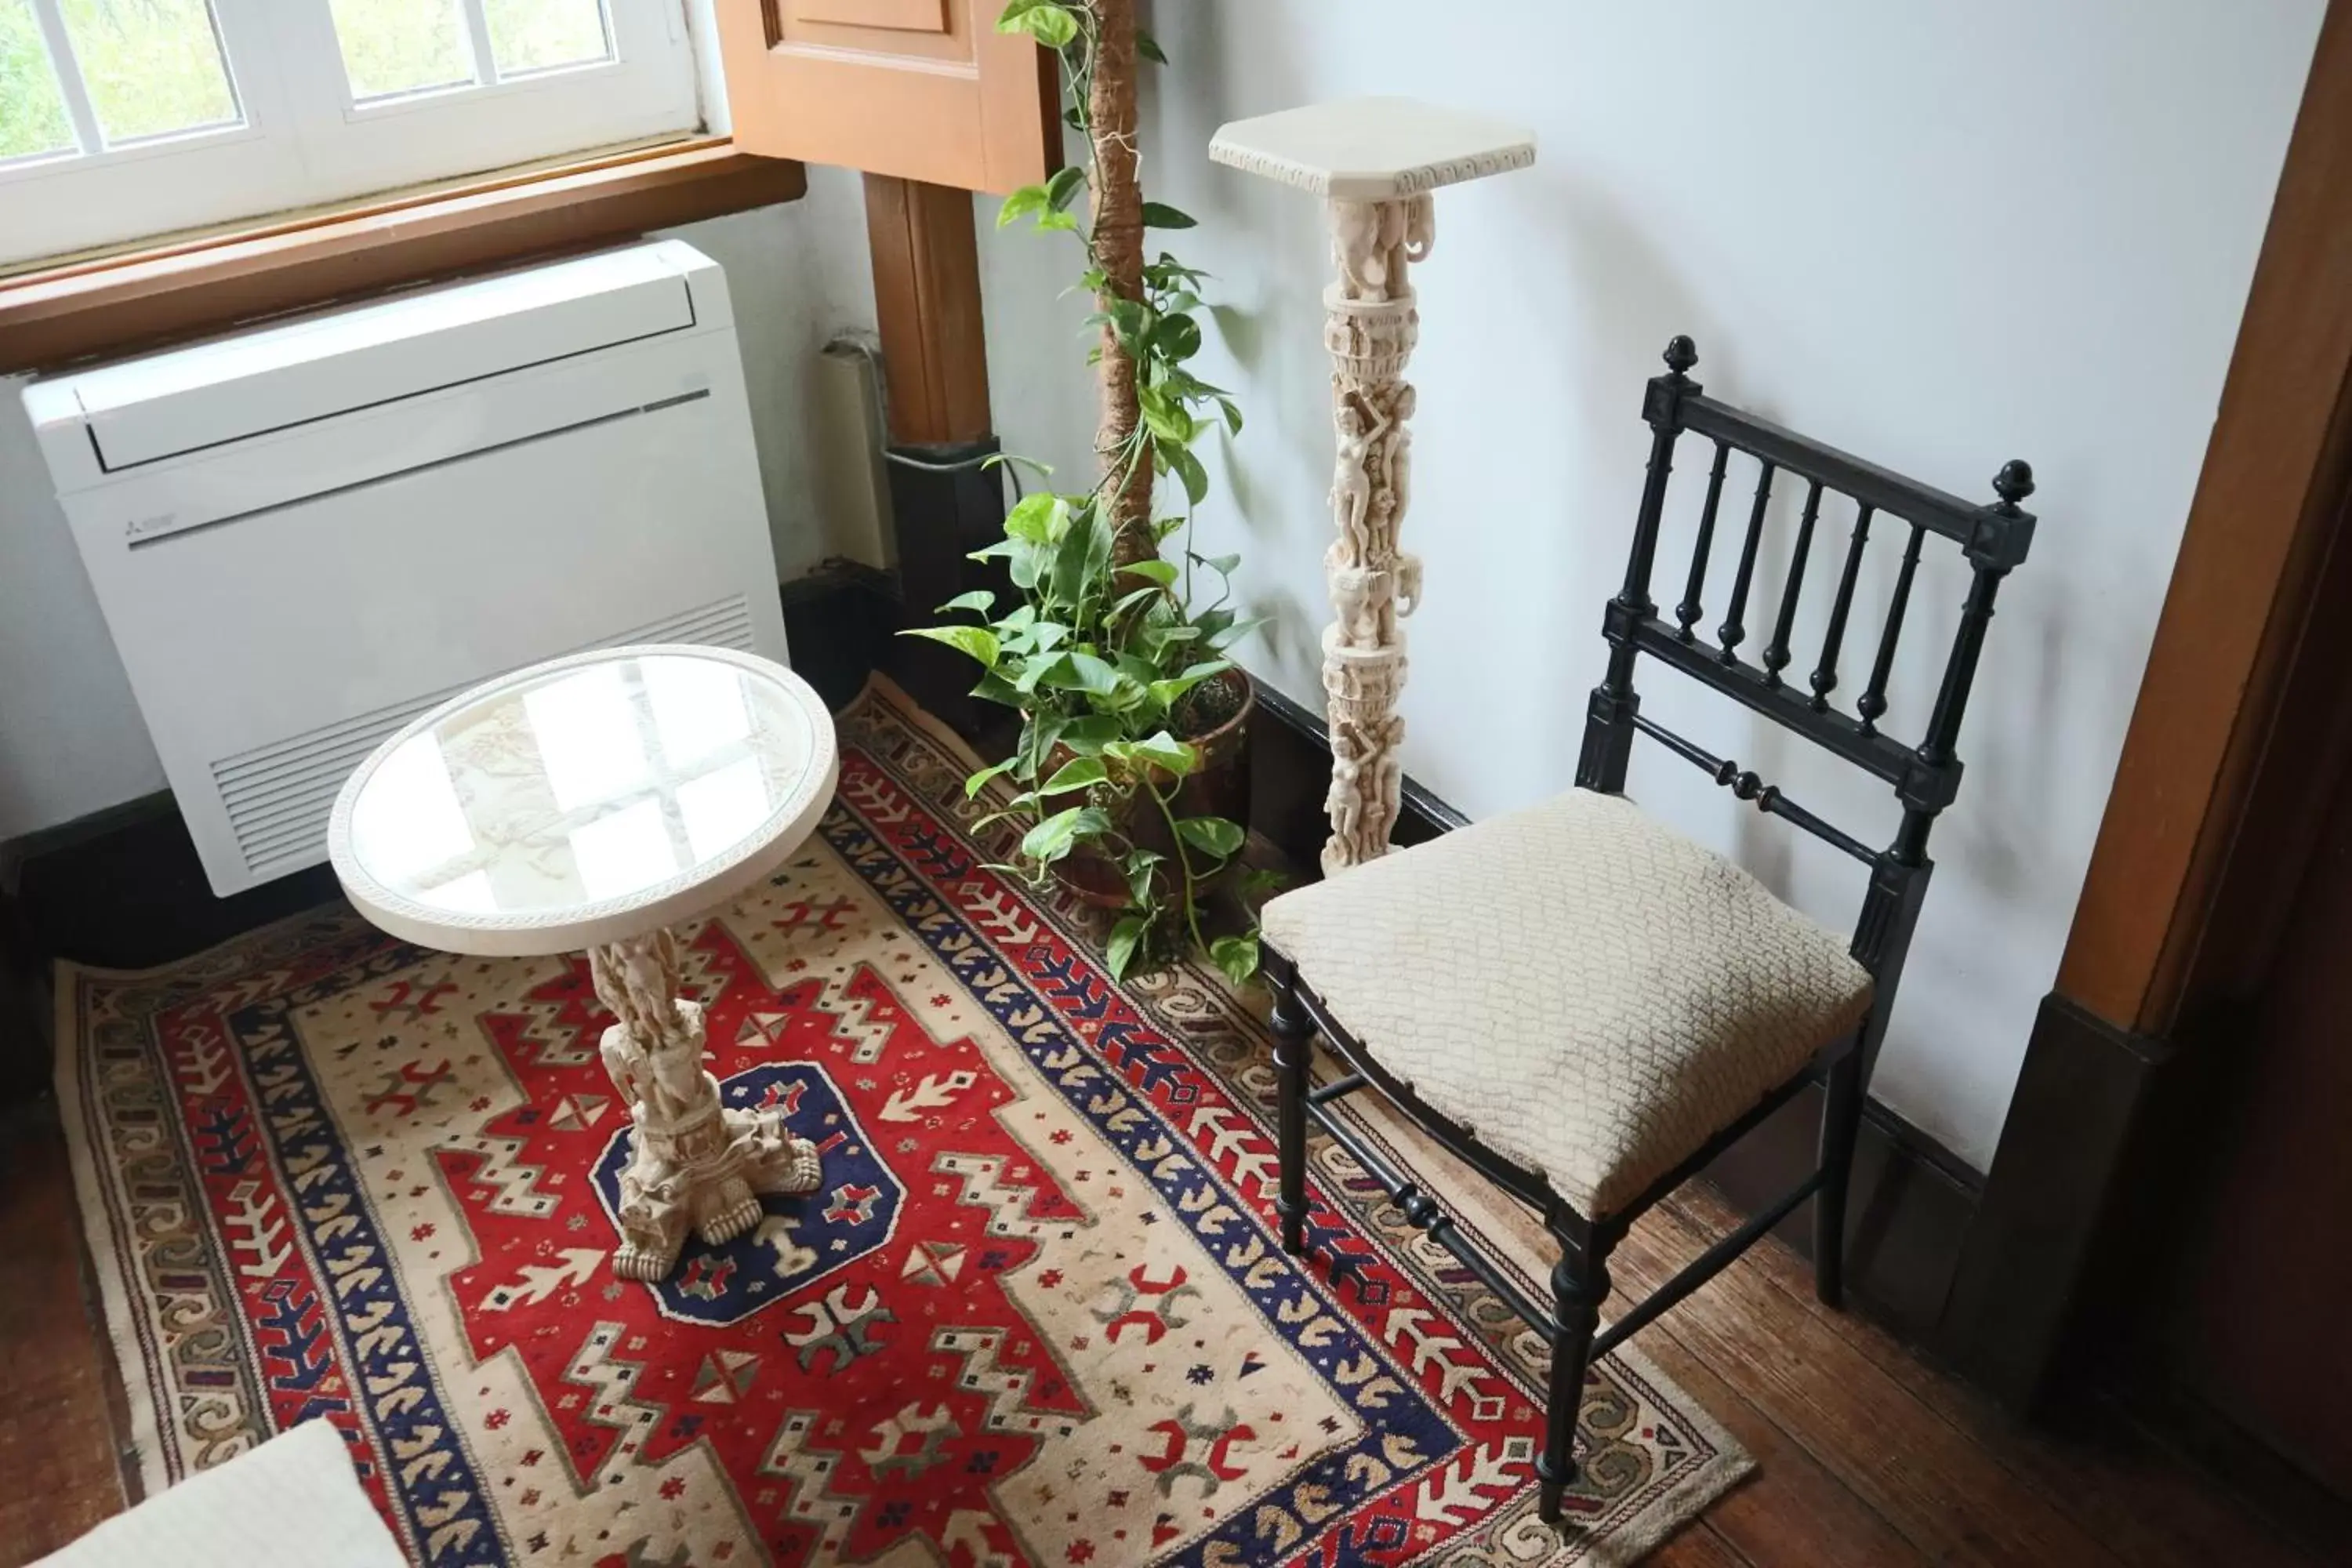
[2088, 1095]
[1913, 1200]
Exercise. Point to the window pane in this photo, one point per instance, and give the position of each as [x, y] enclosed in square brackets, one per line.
[401, 46]
[32, 110]
[152, 67]
[539, 34]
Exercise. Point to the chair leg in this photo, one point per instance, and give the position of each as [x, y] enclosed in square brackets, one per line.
[1841, 1120]
[1579, 1285]
[1294, 1060]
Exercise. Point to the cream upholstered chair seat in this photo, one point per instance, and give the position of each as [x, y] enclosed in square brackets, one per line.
[1590, 992]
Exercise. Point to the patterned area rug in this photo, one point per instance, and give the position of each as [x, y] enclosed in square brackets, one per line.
[1035, 1315]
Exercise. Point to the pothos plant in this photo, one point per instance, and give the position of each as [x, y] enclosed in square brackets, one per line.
[1114, 662]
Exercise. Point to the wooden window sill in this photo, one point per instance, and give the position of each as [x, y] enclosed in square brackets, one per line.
[142, 299]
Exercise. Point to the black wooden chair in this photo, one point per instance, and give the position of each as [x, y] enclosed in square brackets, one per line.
[1586, 1007]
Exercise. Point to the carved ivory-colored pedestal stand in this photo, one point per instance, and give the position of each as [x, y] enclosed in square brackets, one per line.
[1376, 161]
[697, 1165]
[589, 803]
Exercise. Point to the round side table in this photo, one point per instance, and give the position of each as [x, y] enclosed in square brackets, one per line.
[589, 802]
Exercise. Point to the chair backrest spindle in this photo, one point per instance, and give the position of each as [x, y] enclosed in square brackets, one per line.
[1687, 613]
[1732, 633]
[1776, 652]
[1825, 674]
[1873, 701]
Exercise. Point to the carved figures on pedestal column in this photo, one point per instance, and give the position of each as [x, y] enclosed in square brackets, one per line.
[695, 1165]
[1370, 329]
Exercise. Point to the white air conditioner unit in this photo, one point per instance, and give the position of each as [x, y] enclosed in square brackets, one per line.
[306, 535]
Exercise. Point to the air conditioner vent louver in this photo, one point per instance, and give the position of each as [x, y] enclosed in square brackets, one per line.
[278, 796]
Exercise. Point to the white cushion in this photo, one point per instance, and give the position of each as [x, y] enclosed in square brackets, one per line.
[1592, 993]
[293, 1502]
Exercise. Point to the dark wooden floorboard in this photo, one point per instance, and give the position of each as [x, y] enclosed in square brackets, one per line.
[2137, 1494]
[1950, 1497]
[57, 1444]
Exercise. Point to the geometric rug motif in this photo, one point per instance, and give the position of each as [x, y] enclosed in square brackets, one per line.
[1035, 1313]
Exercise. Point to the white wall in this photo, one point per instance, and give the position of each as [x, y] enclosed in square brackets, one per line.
[1937, 236]
[71, 740]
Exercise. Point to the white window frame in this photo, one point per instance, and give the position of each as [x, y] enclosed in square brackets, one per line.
[303, 140]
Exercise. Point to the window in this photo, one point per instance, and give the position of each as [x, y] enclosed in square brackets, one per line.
[126, 117]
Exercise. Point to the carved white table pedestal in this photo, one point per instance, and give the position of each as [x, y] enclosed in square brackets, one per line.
[1376, 161]
[589, 803]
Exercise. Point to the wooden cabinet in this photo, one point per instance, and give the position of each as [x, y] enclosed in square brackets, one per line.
[921, 89]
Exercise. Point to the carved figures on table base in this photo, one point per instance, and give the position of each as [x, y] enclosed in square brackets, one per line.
[696, 1166]
[1369, 329]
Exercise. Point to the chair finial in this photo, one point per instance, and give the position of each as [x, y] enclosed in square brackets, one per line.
[1681, 353]
[2014, 482]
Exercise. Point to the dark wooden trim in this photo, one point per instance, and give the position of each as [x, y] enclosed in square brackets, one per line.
[927, 305]
[2239, 595]
[1911, 1200]
[148, 298]
[2082, 1098]
[2240, 731]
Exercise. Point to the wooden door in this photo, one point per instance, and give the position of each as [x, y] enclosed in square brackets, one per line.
[921, 89]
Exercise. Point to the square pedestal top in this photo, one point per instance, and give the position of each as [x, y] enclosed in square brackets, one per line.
[1372, 149]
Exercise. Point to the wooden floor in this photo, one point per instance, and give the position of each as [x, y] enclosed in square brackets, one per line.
[1863, 1455]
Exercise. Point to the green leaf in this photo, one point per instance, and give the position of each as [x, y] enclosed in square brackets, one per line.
[1021, 203]
[1063, 187]
[1149, 48]
[979, 781]
[1128, 602]
[1232, 415]
[977, 641]
[1236, 955]
[1177, 338]
[1166, 692]
[1188, 468]
[1054, 837]
[1087, 736]
[1086, 672]
[1125, 937]
[994, 687]
[1131, 320]
[1057, 223]
[1223, 566]
[1138, 865]
[980, 600]
[1037, 738]
[1083, 558]
[1079, 772]
[1169, 425]
[1046, 21]
[1040, 519]
[1043, 670]
[1160, 215]
[1164, 750]
[1155, 570]
[1235, 632]
[1214, 835]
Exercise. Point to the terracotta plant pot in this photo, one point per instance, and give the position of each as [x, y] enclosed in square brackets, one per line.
[1220, 788]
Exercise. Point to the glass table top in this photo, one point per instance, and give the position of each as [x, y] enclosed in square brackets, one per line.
[596, 783]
